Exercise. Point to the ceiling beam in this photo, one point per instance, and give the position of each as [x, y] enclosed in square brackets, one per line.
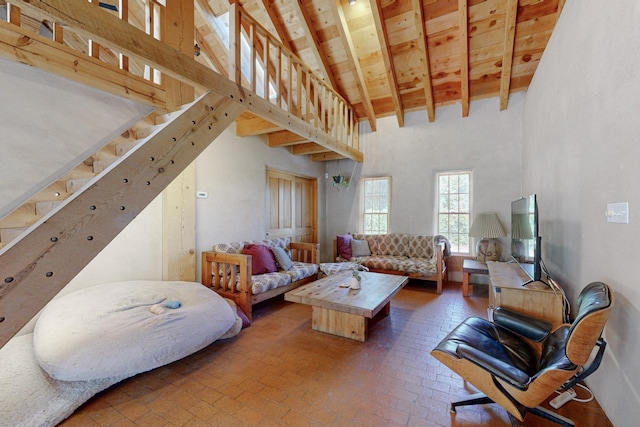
[325, 157]
[285, 138]
[307, 26]
[385, 50]
[248, 124]
[421, 34]
[26, 47]
[307, 148]
[507, 55]
[208, 14]
[463, 13]
[280, 31]
[352, 56]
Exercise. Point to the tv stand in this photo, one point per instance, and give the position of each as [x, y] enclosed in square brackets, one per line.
[508, 288]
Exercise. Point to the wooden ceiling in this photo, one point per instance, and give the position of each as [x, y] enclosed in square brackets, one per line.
[389, 57]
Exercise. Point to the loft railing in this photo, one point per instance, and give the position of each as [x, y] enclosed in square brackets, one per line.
[154, 15]
[262, 64]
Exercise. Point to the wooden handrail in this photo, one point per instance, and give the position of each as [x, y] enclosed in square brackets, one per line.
[298, 90]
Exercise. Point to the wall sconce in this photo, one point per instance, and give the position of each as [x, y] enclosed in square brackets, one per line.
[196, 50]
[352, 2]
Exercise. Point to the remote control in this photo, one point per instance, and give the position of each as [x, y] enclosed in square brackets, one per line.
[562, 398]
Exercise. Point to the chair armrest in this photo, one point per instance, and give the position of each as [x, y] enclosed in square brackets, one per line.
[304, 252]
[532, 328]
[219, 271]
[495, 367]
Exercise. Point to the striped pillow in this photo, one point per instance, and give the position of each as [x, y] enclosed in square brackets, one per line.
[282, 259]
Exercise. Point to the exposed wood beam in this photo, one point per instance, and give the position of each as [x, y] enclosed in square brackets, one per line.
[210, 55]
[385, 50]
[463, 13]
[507, 56]
[109, 30]
[307, 148]
[310, 34]
[325, 157]
[284, 138]
[35, 268]
[32, 49]
[421, 34]
[280, 31]
[207, 13]
[249, 124]
[352, 55]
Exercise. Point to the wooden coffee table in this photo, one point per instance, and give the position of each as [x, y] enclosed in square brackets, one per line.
[344, 311]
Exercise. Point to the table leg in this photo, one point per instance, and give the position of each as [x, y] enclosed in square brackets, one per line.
[338, 323]
[465, 284]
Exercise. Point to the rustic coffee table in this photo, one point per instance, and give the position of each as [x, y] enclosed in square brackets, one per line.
[343, 311]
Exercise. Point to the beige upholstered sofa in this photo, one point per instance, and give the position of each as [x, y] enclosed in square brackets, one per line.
[416, 256]
[236, 281]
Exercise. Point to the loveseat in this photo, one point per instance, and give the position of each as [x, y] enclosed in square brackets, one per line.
[242, 278]
[416, 256]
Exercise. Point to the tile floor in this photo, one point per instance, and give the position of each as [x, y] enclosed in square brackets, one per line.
[281, 372]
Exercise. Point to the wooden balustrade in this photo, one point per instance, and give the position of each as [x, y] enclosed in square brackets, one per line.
[261, 63]
[154, 18]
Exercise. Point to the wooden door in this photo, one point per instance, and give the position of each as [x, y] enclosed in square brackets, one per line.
[291, 206]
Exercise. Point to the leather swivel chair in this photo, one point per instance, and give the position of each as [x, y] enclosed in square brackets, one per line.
[517, 361]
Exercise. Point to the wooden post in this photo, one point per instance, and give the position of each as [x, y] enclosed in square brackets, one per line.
[179, 202]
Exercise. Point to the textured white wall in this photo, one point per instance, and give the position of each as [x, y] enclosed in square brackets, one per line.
[581, 152]
[488, 142]
[233, 171]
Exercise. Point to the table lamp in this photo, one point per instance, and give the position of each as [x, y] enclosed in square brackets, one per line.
[487, 227]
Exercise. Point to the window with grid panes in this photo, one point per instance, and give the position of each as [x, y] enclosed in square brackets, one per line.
[454, 209]
[376, 202]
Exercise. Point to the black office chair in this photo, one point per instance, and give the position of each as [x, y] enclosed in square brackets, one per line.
[517, 362]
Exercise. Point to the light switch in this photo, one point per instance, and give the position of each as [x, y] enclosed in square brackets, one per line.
[618, 212]
[202, 195]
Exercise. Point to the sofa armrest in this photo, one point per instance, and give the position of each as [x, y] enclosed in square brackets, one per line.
[305, 252]
[219, 271]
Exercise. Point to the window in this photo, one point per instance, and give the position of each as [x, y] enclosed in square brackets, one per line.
[454, 208]
[376, 202]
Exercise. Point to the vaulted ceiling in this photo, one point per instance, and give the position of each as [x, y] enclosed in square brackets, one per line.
[389, 57]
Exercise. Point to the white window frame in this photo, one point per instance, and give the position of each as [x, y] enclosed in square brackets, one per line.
[459, 218]
[364, 182]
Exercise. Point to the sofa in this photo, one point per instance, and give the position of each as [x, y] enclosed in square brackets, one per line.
[237, 270]
[416, 256]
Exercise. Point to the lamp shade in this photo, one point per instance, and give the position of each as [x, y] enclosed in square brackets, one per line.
[487, 225]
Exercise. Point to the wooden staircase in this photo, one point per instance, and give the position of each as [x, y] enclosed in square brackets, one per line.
[50, 198]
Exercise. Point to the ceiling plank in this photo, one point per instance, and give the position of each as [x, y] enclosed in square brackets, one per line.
[421, 34]
[307, 27]
[273, 16]
[208, 14]
[385, 50]
[463, 13]
[507, 53]
[347, 41]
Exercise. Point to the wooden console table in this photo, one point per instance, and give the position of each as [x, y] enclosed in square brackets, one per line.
[536, 298]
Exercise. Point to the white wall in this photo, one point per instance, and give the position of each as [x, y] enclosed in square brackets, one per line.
[488, 142]
[581, 152]
[232, 170]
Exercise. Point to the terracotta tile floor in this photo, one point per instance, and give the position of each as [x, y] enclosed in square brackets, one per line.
[281, 372]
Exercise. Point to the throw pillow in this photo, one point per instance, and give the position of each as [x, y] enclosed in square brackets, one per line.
[262, 260]
[344, 246]
[360, 248]
[282, 258]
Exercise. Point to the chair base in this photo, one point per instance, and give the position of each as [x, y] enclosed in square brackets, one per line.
[481, 399]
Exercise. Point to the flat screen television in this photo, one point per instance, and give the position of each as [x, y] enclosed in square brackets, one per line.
[525, 240]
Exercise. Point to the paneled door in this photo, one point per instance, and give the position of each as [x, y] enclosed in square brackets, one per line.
[292, 206]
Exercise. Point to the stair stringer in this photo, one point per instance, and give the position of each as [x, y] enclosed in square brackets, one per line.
[35, 268]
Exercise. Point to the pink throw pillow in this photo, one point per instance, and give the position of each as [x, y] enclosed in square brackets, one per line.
[262, 260]
[344, 246]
